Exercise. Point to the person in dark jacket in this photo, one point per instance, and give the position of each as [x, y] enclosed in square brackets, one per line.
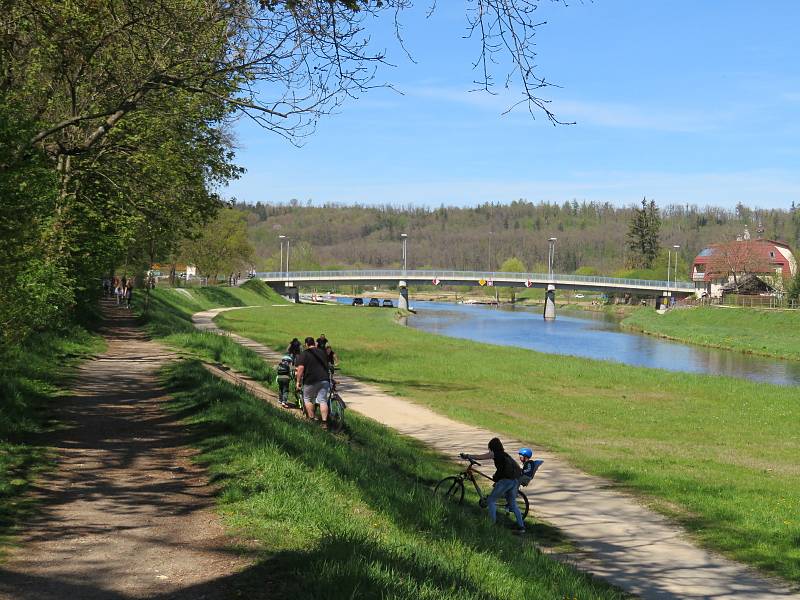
[506, 481]
[294, 349]
[313, 378]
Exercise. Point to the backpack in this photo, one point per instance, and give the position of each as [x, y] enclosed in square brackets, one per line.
[512, 469]
[284, 368]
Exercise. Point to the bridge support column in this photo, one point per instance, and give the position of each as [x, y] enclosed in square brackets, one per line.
[550, 303]
[402, 302]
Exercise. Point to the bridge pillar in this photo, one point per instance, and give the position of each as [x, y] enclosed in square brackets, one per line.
[550, 303]
[402, 302]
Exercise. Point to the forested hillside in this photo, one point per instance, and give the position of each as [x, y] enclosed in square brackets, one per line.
[591, 236]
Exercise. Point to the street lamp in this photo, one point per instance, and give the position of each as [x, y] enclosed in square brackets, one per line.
[280, 268]
[405, 255]
[675, 272]
[551, 255]
[287, 258]
[491, 233]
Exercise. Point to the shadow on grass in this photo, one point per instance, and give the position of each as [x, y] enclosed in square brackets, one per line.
[369, 525]
[29, 380]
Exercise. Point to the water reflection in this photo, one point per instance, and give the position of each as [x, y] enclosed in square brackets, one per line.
[593, 336]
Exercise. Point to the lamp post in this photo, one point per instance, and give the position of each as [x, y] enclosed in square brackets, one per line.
[281, 238]
[669, 265]
[491, 233]
[551, 255]
[287, 258]
[405, 255]
[675, 272]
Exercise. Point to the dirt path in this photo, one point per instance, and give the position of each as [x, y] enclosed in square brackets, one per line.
[125, 515]
[623, 542]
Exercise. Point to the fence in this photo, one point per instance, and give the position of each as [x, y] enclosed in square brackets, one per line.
[759, 301]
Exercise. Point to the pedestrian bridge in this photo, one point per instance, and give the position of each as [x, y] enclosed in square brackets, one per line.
[296, 279]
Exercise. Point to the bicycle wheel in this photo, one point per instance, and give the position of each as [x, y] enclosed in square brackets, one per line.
[522, 503]
[450, 489]
[336, 413]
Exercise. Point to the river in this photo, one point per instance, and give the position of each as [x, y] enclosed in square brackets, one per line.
[591, 335]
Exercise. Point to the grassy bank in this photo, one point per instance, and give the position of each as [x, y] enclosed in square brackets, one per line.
[32, 378]
[718, 454]
[751, 330]
[169, 320]
[340, 518]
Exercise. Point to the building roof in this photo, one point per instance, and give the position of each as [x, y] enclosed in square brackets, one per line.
[772, 252]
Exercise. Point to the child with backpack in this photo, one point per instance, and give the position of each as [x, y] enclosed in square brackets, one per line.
[284, 371]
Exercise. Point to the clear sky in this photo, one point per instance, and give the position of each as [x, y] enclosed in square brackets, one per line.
[683, 101]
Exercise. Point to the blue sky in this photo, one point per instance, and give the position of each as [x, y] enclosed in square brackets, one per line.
[683, 101]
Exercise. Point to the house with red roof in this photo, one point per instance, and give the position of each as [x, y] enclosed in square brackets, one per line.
[743, 266]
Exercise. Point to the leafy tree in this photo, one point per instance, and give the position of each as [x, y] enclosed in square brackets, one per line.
[643, 240]
[221, 247]
[513, 265]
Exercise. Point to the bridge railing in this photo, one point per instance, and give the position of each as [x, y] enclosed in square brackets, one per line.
[475, 275]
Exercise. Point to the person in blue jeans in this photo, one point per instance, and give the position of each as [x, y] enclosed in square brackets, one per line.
[506, 481]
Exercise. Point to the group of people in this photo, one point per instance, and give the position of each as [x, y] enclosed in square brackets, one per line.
[120, 288]
[312, 369]
[507, 478]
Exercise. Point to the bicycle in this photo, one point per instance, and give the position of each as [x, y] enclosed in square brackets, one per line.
[336, 408]
[452, 489]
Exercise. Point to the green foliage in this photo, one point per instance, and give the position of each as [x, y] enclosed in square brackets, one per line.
[375, 527]
[513, 265]
[586, 271]
[794, 288]
[221, 246]
[643, 240]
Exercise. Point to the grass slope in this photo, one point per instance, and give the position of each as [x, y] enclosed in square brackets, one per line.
[353, 517]
[32, 378]
[169, 320]
[718, 454]
[771, 333]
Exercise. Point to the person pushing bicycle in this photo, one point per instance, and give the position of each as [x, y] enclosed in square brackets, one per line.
[506, 481]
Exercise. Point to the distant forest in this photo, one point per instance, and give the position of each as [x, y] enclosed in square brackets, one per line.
[592, 237]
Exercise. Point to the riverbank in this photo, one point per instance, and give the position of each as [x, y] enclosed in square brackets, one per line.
[688, 444]
[750, 330]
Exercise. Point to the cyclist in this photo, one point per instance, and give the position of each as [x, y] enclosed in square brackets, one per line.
[506, 481]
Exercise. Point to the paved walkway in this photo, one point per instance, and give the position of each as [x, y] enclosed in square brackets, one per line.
[126, 514]
[623, 542]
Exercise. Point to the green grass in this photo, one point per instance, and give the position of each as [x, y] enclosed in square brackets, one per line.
[751, 330]
[169, 320]
[353, 516]
[32, 378]
[718, 454]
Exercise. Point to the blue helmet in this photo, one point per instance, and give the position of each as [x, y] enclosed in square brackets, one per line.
[526, 452]
[287, 358]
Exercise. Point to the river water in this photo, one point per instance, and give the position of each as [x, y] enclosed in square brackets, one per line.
[593, 335]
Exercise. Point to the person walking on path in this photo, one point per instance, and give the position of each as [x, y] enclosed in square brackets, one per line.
[314, 376]
[506, 481]
[128, 294]
[294, 349]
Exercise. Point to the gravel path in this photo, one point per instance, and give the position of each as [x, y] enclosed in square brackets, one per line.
[621, 541]
[125, 514]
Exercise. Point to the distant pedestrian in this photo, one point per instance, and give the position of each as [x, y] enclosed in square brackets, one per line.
[322, 341]
[294, 349]
[118, 291]
[331, 359]
[128, 294]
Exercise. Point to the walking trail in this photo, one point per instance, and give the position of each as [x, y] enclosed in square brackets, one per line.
[621, 541]
[125, 514]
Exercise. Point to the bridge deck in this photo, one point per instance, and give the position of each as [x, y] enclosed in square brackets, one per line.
[428, 277]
